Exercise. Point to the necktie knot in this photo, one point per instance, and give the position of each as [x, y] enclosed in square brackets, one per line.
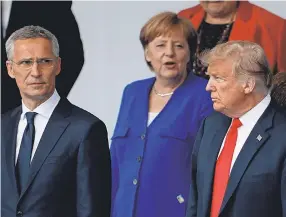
[30, 117]
[236, 123]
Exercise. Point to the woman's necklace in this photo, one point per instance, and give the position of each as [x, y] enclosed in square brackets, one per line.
[198, 68]
[162, 94]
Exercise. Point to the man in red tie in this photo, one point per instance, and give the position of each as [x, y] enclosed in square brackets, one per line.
[239, 158]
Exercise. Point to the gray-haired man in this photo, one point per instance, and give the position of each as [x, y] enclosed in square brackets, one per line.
[239, 158]
[55, 158]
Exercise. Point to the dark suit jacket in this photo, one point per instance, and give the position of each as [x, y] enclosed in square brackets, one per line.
[57, 17]
[257, 184]
[70, 173]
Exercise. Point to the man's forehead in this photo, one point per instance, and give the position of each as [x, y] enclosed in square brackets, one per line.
[220, 66]
[32, 46]
[37, 41]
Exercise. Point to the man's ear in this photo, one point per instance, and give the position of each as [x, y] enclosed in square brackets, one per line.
[249, 85]
[10, 69]
[58, 65]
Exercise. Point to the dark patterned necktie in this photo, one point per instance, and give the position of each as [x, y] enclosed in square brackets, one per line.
[24, 157]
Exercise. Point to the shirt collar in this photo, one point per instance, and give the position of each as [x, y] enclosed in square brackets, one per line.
[251, 117]
[45, 109]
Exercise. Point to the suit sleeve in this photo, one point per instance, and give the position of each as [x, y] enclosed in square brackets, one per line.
[282, 49]
[94, 174]
[283, 190]
[114, 174]
[114, 160]
[193, 194]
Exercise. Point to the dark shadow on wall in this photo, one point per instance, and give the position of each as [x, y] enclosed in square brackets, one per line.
[57, 17]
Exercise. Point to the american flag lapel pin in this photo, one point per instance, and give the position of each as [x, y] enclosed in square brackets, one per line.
[259, 137]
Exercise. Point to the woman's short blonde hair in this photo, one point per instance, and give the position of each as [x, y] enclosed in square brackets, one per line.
[163, 24]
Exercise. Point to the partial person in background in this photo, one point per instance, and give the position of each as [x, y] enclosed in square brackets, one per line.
[157, 123]
[221, 21]
[55, 158]
[57, 17]
[239, 157]
[278, 92]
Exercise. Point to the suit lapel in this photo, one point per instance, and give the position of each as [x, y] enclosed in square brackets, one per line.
[142, 108]
[53, 131]
[197, 17]
[256, 139]
[10, 132]
[243, 23]
[213, 148]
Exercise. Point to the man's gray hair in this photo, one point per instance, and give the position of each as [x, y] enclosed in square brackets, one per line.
[248, 57]
[30, 32]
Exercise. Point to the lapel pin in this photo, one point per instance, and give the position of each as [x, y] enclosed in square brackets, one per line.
[259, 137]
[180, 199]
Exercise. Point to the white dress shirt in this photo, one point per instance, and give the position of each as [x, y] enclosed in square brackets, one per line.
[6, 10]
[248, 120]
[151, 117]
[44, 112]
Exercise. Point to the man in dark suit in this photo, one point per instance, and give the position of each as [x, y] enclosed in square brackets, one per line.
[239, 158]
[55, 156]
[57, 17]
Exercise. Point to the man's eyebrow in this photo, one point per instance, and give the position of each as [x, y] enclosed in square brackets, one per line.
[25, 59]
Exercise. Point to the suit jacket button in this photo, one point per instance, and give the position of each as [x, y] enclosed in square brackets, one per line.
[139, 158]
[19, 213]
[143, 136]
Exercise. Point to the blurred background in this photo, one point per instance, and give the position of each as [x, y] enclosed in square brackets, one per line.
[101, 47]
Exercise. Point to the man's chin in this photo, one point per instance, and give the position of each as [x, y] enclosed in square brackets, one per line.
[37, 95]
[217, 107]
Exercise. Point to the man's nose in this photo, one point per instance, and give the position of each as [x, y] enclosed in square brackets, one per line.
[35, 70]
[209, 86]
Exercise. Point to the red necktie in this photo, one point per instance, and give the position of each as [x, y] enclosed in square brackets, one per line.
[222, 169]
